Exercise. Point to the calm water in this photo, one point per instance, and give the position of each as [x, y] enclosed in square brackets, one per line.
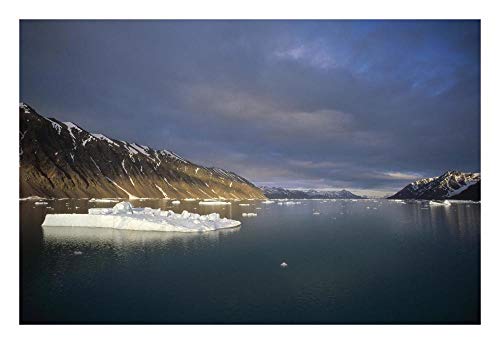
[397, 263]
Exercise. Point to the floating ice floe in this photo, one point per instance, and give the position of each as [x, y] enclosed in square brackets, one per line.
[440, 203]
[316, 213]
[124, 216]
[244, 204]
[213, 202]
[248, 214]
[267, 202]
[103, 200]
[284, 265]
[41, 203]
[288, 203]
[176, 202]
[32, 198]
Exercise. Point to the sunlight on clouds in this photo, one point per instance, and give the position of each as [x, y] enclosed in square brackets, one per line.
[402, 176]
[314, 54]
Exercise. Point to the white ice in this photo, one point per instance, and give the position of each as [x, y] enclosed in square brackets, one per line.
[443, 203]
[123, 216]
[213, 202]
[248, 214]
[288, 203]
[31, 198]
[102, 200]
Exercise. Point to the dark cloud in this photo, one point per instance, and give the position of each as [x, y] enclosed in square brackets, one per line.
[358, 104]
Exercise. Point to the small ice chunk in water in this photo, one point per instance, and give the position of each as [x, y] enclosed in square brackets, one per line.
[77, 253]
[284, 265]
[440, 203]
[316, 212]
[176, 202]
[248, 214]
[213, 202]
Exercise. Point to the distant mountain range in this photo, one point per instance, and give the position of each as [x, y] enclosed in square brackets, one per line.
[282, 193]
[450, 185]
[61, 159]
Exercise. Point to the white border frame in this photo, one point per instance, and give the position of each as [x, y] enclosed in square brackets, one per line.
[257, 9]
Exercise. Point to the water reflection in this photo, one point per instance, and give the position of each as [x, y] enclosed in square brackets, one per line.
[121, 239]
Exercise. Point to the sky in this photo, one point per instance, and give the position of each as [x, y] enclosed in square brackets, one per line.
[368, 106]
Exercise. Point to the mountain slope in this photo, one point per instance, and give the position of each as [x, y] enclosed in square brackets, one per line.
[281, 193]
[61, 159]
[473, 192]
[450, 185]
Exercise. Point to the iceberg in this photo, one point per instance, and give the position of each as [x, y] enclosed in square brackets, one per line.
[124, 216]
[32, 198]
[213, 202]
[248, 214]
[440, 203]
[288, 203]
[103, 200]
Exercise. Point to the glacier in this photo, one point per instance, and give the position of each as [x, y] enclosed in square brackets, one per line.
[124, 216]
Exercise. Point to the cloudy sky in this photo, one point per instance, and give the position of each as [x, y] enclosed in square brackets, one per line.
[363, 105]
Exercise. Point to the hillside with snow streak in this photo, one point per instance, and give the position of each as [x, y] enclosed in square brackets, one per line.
[61, 159]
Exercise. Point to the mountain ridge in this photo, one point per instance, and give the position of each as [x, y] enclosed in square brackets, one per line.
[283, 193]
[62, 159]
[449, 185]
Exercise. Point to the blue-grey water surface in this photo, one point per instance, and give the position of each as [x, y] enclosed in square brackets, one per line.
[355, 262]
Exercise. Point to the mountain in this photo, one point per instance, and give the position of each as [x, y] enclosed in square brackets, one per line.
[450, 185]
[61, 159]
[281, 193]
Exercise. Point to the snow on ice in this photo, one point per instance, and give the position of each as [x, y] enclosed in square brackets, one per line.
[124, 216]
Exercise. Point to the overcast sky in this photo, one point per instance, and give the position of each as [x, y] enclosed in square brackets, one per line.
[362, 105]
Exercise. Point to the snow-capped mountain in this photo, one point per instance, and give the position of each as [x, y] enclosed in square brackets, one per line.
[282, 193]
[450, 185]
[61, 159]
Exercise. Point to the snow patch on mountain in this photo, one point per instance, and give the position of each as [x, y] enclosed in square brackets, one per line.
[449, 184]
[105, 138]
